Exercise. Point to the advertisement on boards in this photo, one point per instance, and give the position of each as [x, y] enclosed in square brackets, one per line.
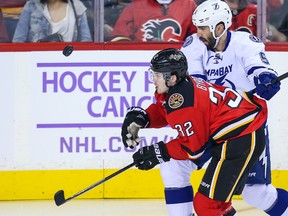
[76, 106]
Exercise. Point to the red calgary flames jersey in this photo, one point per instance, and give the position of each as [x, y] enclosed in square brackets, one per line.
[245, 20]
[200, 111]
[147, 20]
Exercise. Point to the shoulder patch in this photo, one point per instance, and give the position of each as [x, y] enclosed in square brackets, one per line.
[255, 39]
[180, 96]
[175, 101]
[188, 41]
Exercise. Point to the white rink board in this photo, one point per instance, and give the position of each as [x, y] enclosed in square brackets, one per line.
[66, 113]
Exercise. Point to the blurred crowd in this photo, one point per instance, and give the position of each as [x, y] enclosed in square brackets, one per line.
[126, 20]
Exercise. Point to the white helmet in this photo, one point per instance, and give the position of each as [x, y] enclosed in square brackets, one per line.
[164, 1]
[212, 12]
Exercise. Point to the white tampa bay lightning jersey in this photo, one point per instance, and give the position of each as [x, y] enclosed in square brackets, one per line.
[235, 67]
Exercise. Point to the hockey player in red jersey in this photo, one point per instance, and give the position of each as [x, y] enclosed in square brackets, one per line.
[200, 111]
[236, 60]
[154, 21]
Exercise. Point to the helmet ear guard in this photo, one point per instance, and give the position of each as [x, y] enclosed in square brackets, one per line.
[212, 12]
[170, 62]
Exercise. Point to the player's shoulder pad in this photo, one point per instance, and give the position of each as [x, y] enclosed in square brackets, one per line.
[255, 39]
[180, 96]
[247, 43]
[193, 46]
[188, 41]
[192, 39]
[247, 38]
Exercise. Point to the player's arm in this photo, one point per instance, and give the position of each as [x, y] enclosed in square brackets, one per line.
[192, 133]
[156, 115]
[137, 118]
[258, 68]
[183, 147]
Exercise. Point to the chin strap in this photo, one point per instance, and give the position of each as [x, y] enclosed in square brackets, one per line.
[217, 38]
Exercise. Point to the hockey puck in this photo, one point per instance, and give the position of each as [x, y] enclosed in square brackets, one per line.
[68, 50]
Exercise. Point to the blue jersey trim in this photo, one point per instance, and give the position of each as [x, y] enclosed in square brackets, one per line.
[251, 70]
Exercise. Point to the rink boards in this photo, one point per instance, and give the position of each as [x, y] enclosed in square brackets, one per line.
[61, 122]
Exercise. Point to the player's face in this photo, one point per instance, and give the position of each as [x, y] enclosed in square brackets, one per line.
[159, 82]
[205, 35]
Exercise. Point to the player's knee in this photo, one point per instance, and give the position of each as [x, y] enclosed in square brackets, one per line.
[260, 196]
[175, 174]
[205, 206]
[201, 204]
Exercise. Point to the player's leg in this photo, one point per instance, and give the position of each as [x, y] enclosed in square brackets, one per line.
[205, 206]
[178, 189]
[227, 173]
[263, 196]
[259, 192]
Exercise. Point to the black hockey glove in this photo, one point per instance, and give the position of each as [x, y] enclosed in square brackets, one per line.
[149, 156]
[135, 119]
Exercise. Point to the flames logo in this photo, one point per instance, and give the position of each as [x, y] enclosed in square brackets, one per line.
[167, 30]
[175, 100]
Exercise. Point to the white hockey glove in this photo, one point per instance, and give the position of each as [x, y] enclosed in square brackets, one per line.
[135, 119]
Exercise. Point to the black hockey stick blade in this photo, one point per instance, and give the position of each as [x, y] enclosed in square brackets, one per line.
[59, 197]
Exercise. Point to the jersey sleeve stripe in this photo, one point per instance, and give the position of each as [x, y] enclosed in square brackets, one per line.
[232, 127]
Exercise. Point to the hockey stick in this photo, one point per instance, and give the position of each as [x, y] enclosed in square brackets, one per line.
[59, 197]
[281, 77]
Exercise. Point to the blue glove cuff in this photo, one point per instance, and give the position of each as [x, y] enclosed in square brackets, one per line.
[262, 89]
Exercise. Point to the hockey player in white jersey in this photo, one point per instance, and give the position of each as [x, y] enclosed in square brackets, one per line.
[237, 60]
